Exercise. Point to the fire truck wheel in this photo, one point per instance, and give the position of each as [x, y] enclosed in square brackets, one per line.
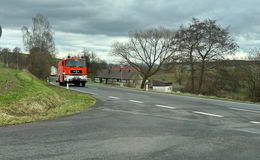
[83, 84]
[77, 84]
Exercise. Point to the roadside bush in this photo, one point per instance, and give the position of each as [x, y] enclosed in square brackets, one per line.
[251, 75]
[252, 81]
[39, 63]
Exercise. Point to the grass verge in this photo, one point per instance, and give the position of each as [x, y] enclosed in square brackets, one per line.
[24, 98]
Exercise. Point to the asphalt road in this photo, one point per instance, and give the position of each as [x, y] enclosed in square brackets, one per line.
[129, 124]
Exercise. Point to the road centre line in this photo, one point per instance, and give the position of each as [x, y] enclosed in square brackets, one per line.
[113, 97]
[239, 109]
[135, 101]
[208, 114]
[163, 106]
[254, 122]
[137, 94]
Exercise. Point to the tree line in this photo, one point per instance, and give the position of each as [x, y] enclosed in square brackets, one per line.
[13, 58]
[196, 54]
[93, 63]
[39, 42]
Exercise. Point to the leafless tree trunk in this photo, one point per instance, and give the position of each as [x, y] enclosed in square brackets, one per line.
[192, 71]
[5, 55]
[187, 40]
[17, 52]
[202, 70]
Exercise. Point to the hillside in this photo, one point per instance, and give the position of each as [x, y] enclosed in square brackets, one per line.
[24, 98]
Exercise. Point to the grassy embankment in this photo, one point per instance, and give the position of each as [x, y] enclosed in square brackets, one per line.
[24, 98]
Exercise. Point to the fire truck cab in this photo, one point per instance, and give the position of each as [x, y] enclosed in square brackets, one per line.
[72, 70]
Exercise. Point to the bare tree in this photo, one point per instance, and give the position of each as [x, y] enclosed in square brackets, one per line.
[40, 36]
[94, 64]
[5, 53]
[147, 50]
[215, 43]
[203, 42]
[90, 56]
[17, 52]
[39, 42]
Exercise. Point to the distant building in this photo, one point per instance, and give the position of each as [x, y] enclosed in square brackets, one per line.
[162, 86]
[54, 71]
[122, 67]
[126, 76]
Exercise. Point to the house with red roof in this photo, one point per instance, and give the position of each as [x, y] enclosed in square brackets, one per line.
[119, 75]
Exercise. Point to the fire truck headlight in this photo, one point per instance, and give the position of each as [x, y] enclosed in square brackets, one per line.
[84, 77]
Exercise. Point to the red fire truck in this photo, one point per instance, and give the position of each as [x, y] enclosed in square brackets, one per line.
[72, 70]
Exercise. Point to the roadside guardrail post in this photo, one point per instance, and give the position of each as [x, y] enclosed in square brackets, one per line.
[67, 83]
[146, 85]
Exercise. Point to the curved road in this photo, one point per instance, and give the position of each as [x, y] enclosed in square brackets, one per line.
[130, 124]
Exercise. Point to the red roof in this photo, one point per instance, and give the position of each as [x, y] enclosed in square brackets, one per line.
[118, 67]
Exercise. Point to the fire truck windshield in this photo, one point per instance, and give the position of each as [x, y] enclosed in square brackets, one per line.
[75, 63]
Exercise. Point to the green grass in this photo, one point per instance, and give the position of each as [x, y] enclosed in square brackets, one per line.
[170, 77]
[24, 98]
[239, 94]
[234, 97]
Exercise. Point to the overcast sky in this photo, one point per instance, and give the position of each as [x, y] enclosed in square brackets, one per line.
[96, 24]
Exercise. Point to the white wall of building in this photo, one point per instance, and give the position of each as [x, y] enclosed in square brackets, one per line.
[162, 88]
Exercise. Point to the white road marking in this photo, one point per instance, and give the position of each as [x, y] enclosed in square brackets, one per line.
[129, 112]
[208, 114]
[163, 106]
[137, 94]
[135, 101]
[84, 91]
[113, 97]
[254, 122]
[239, 109]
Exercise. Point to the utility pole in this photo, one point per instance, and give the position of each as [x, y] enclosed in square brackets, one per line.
[0, 31]
[17, 54]
[121, 70]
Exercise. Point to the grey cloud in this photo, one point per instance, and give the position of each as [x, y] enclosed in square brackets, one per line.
[116, 17]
